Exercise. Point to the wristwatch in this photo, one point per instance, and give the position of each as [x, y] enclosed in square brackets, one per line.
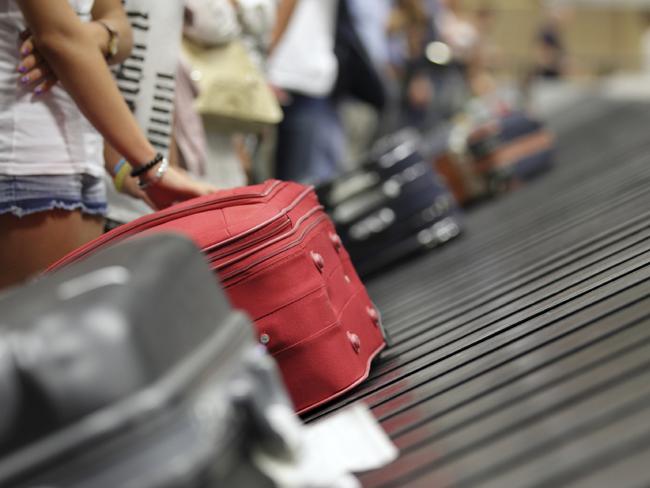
[113, 40]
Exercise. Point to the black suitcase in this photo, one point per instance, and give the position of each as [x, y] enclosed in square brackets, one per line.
[392, 206]
[131, 369]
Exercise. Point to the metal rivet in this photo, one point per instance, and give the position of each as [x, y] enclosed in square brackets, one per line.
[336, 241]
[374, 316]
[318, 260]
[265, 339]
[355, 341]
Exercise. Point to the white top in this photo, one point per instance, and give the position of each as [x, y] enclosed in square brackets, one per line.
[46, 134]
[304, 60]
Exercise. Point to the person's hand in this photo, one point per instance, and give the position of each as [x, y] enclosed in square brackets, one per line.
[131, 187]
[35, 71]
[284, 98]
[175, 186]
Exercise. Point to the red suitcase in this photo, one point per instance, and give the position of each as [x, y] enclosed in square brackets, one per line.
[280, 259]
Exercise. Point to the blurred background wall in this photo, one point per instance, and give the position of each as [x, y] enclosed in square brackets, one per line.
[601, 36]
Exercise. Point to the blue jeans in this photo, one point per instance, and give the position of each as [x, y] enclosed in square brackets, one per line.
[310, 141]
[24, 195]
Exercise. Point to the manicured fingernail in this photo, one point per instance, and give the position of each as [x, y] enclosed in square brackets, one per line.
[38, 91]
[24, 79]
[22, 69]
[25, 51]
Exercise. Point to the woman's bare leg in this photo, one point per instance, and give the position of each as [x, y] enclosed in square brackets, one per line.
[30, 244]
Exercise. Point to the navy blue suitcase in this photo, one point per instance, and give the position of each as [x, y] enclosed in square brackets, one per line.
[512, 149]
[392, 206]
[491, 135]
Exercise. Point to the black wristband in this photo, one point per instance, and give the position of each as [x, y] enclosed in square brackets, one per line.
[143, 169]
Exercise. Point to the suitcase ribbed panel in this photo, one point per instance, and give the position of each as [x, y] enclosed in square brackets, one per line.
[522, 352]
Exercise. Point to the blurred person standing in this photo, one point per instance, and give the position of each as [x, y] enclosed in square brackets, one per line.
[371, 21]
[551, 62]
[303, 69]
[412, 29]
[490, 98]
[147, 81]
[52, 196]
[215, 24]
[645, 43]
[456, 31]
[364, 121]
[488, 54]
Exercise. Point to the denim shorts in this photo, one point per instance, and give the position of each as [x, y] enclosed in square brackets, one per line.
[24, 195]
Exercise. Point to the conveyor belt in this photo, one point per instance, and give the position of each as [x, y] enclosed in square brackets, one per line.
[522, 351]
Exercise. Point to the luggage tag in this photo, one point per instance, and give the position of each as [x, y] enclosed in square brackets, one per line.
[349, 441]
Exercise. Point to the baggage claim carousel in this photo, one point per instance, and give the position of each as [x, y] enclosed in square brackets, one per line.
[521, 352]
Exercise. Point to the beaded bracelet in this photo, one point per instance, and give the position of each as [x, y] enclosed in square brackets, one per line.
[143, 169]
[160, 172]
